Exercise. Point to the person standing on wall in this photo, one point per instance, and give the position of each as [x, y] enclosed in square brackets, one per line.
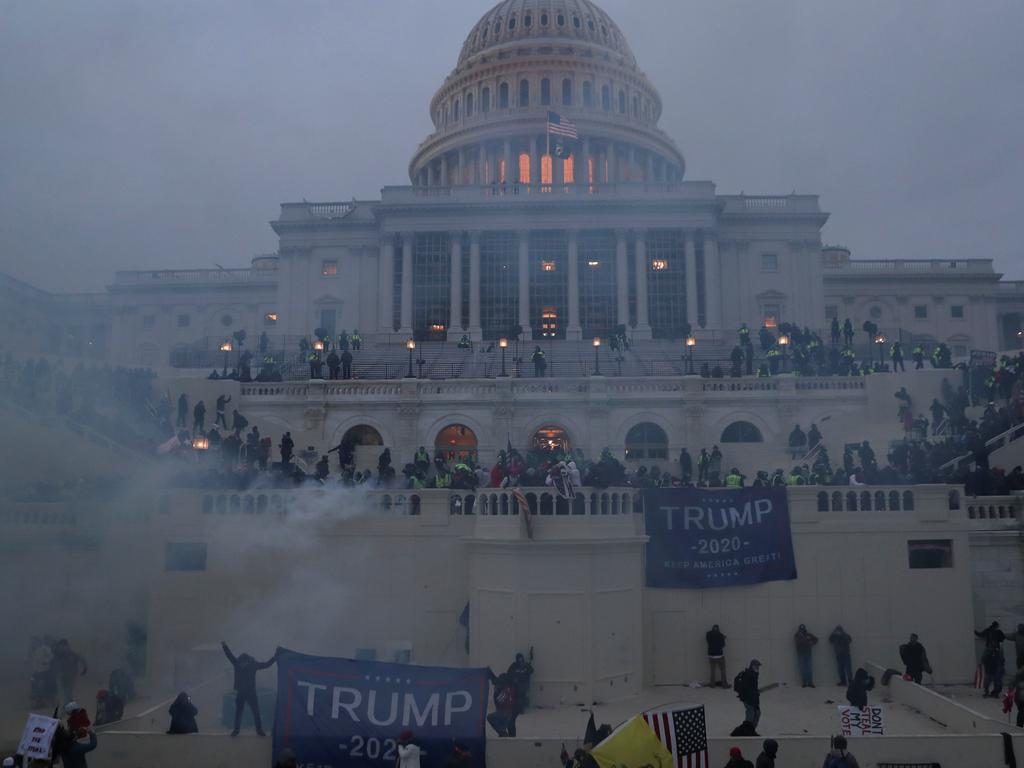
[246, 668]
[745, 685]
[915, 657]
[805, 643]
[716, 656]
[841, 642]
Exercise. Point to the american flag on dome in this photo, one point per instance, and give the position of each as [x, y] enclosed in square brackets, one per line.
[683, 730]
[562, 126]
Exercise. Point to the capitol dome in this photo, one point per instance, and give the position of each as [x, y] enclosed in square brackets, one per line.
[522, 60]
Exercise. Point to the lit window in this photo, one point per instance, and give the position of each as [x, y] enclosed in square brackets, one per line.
[545, 169]
[184, 321]
[930, 553]
[569, 170]
[770, 314]
[659, 265]
[501, 171]
[524, 168]
[956, 311]
[329, 268]
[547, 266]
[270, 318]
[593, 263]
[921, 311]
[769, 262]
[149, 321]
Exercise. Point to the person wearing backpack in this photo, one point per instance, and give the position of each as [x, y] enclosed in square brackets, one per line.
[745, 685]
[838, 757]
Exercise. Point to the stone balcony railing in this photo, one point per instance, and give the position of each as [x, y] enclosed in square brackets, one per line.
[160, 277]
[912, 266]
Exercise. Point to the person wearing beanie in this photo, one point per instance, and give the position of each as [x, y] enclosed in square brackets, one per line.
[408, 751]
[736, 759]
[768, 754]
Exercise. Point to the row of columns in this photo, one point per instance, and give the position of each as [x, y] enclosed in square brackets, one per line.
[574, 330]
[437, 173]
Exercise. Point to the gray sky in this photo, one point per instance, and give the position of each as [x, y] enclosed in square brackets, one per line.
[161, 135]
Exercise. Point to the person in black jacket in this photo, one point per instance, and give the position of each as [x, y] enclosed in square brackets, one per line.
[716, 655]
[748, 692]
[183, 715]
[915, 657]
[992, 660]
[841, 641]
[246, 668]
[857, 692]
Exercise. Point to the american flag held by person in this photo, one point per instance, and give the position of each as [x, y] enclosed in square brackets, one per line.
[683, 730]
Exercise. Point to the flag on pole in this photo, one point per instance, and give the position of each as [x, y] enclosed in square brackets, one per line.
[683, 730]
[524, 509]
[632, 745]
[562, 126]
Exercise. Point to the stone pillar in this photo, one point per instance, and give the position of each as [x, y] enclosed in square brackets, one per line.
[406, 322]
[387, 283]
[643, 323]
[444, 171]
[431, 179]
[460, 178]
[621, 278]
[631, 174]
[524, 284]
[509, 176]
[650, 168]
[583, 170]
[475, 332]
[712, 282]
[455, 302]
[481, 158]
[613, 170]
[573, 330]
[534, 163]
[691, 280]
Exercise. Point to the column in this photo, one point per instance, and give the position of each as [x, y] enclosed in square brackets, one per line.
[431, 179]
[509, 176]
[691, 280]
[712, 282]
[524, 284]
[387, 283]
[406, 322]
[481, 158]
[613, 170]
[582, 170]
[534, 163]
[621, 278]
[631, 173]
[573, 329]
[650, 168]
[444, 170]
[460, 178]
[455, 302]
[475, 333]
[643, 324]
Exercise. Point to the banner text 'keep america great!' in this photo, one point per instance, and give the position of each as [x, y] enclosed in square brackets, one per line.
[343, 712]
[711, 537]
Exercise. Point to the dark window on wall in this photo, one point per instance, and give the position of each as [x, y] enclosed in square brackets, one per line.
[184, 557]
[956, 311]
[567, 92]
[646, 441]
[769, 262]
[431, 284]
[469, 105]
[930, 553]
[455, 111]
[588, 93]
[184, 321]
[503, 96]
[485, 100]
[329, 321]
[622, 102]
[666, 283]
[596, 270]
[921, 311]
[149, 321]
[545, 92]
[499, 284]
[741, 432]
[524, 93]
[606, 98]
[549, 283]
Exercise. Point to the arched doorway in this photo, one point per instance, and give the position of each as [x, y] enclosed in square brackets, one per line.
[551, 439]
[456, 442]
[361, 447]
[646, 441]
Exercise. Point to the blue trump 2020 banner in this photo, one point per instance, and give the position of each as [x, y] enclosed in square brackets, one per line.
[342, 712]
[717, 537]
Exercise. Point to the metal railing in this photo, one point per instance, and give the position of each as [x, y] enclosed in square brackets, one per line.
[992, 444]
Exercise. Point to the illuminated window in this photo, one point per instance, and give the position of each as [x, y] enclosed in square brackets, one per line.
[524, 168]
[548, 266]
[551, 439]
[593, 263]
[549, 322]
[545, 169]
[659, 265]
[590, 170]
[270, 318]
[569, 170]
[329, 268]
[501, 171]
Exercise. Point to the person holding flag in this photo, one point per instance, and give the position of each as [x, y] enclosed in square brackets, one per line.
[566, 134]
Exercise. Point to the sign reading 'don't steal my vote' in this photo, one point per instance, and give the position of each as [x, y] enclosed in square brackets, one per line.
[343, 712]
[717, 537]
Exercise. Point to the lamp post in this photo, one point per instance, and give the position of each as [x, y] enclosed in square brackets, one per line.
[226, 348]
[597, 356]
[410, 345]
[880, 341]
[784, 343]
[503, 344]
[691, 342]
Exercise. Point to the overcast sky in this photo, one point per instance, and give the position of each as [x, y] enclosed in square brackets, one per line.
[164, 135]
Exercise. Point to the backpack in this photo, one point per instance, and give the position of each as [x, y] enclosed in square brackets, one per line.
[836, 762]
[739, 683]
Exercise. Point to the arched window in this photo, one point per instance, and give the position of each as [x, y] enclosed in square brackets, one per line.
[837, 501]
[622, 102]
[569, 170]
[546, 170]
[456, 443]
[511, 22]
[503, 96]
[588, 93]
[741, 432]
[469, 105]
[851, 501]
[894, 501]
[363, 435]
[865, 501]
[823, 501]
[646, 441]
[545, 92]
[455, 111]
[485, 100]
[551, 440]
[606, 98]
[879, 501]
[524, 168]
[567, 92]
[524, 93]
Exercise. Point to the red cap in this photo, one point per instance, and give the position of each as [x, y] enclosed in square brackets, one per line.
[405, 737]
[735, 752]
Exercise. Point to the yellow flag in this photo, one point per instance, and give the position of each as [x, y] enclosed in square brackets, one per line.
[634, 745]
